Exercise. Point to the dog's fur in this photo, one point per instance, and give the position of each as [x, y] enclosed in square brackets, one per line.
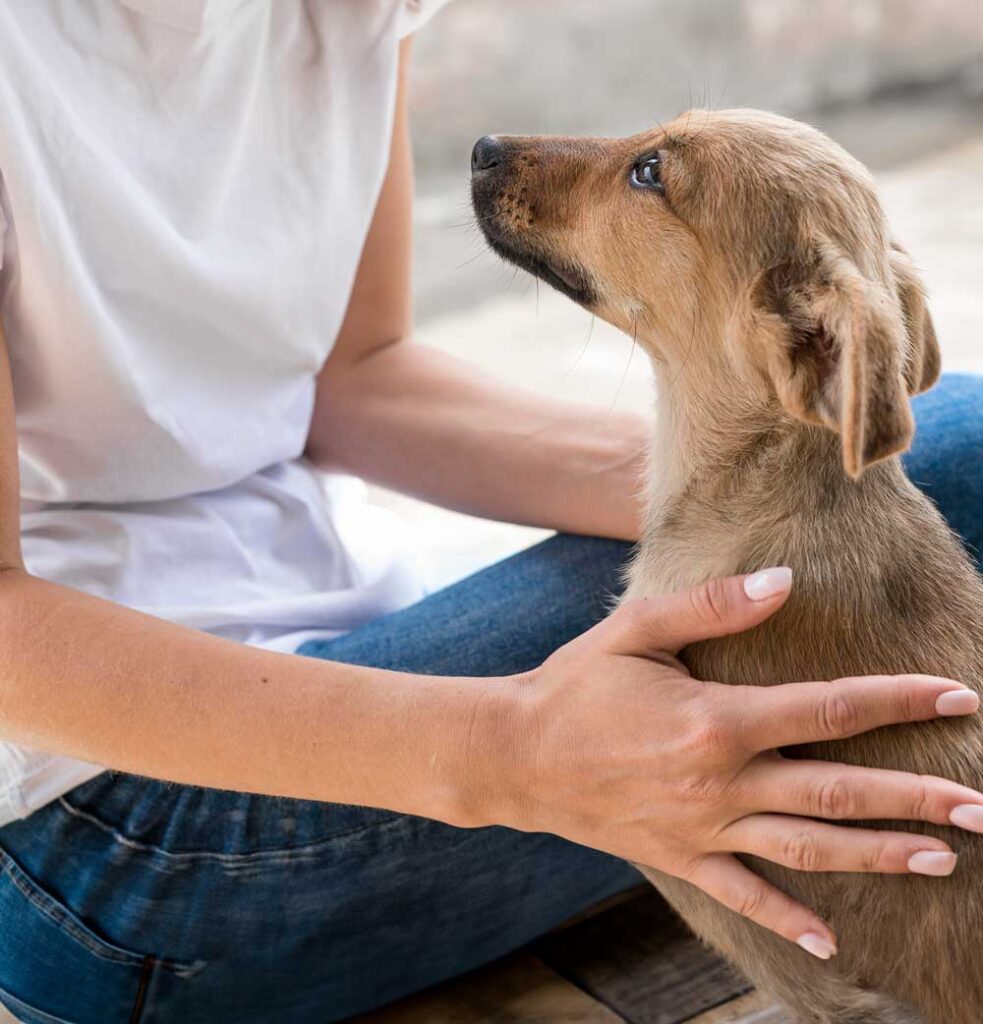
[787, 330]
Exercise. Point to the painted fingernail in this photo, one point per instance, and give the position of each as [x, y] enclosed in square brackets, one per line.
[968, 816]
[932, 862]
[817, 945]
[957, 702]
[768, 583]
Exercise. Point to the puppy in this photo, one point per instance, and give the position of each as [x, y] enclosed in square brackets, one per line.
[749, 255]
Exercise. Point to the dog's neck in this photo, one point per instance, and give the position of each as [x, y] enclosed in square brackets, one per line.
[736, 481]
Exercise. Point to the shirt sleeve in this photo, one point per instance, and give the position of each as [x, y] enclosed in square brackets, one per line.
[414, 14]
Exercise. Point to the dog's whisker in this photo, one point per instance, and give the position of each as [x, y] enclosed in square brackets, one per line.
[583, 348]
[624, 375]
[471, 259]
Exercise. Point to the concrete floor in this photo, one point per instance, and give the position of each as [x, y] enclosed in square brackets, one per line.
[533, 338]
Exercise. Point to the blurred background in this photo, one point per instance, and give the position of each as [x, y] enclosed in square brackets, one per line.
[897, 82]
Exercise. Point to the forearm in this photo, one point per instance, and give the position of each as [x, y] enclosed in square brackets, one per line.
[423, 423]
[93, 680]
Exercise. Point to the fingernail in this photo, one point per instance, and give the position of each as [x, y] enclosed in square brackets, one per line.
[817, 945]
[768, 583]
[968, 816]
[932, 862]
[957, 702]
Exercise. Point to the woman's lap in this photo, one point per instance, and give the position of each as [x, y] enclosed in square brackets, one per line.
[296, 911]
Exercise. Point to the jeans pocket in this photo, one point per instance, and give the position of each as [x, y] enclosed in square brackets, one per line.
[54, 969]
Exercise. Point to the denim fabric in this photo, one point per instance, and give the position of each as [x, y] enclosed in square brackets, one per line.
[132, 900]
[946, 458]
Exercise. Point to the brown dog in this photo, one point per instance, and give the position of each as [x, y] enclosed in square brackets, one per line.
[750, 256]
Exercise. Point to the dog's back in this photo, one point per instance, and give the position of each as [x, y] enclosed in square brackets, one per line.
[881, 585]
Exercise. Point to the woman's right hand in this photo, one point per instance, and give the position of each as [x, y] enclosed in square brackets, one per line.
[613, 745]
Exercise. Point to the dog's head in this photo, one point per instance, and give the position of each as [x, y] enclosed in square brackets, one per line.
[733, 239]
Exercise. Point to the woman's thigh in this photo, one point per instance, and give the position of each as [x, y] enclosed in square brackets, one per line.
[213, 906]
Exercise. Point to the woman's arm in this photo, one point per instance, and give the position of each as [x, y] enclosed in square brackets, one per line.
[421, 422]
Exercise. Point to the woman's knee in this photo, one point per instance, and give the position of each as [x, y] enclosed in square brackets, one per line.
[946, 458]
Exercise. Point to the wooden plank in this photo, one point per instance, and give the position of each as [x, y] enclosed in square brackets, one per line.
[752, 1008]
[518, 990]
[642, 962]
[605, 905]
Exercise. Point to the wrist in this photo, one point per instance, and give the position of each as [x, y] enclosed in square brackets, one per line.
[480, 784]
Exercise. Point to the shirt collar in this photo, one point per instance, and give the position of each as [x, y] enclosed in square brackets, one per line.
[189, 15]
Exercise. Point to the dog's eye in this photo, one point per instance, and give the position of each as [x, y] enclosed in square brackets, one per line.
[646, 173]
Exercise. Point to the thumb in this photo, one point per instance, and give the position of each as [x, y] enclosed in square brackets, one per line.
[718, 607]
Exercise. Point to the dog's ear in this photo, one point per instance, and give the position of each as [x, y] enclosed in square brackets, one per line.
[923, 362]
[835, 350]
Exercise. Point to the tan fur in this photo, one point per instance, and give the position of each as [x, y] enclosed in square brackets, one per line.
[787, 331]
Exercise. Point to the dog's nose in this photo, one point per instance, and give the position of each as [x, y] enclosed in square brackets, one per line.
[487, 153]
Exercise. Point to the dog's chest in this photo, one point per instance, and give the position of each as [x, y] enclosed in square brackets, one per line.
[683, 548]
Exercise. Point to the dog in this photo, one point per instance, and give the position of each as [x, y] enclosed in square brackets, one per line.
[749, 255]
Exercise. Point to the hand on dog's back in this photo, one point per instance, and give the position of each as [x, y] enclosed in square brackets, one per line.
[635, 757]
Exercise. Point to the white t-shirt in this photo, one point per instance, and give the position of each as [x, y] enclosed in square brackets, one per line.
[185, 189]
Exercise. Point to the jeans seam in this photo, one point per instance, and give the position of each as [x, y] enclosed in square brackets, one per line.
[140, 1003]
[193, 856]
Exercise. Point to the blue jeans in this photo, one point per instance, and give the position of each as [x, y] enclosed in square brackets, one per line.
[133, 900]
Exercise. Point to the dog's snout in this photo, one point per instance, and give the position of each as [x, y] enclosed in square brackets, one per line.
[488, 152]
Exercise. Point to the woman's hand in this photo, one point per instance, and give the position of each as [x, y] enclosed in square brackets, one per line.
[613, 745]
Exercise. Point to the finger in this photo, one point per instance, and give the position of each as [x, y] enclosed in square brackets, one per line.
[819, 789]
[806, 845]
[729, 882]
[780, 716]
[668, 622]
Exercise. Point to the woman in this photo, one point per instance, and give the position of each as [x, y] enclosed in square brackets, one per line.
[202, 202]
